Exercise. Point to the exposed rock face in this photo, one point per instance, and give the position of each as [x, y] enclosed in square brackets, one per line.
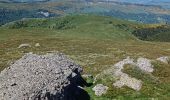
[100, 89]
[164, 59]
[24, 46]
[41, 77]
[145, 65]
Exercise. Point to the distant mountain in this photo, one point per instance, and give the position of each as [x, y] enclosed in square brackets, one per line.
[163, 3]
[144, 11]
[144, 1]
[128, 1]
[23, 0]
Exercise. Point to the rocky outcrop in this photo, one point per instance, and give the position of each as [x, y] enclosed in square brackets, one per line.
[126, 80]
[42, 77]
[100, 89]
[121, 64]
[164, 59]
[145, 65]
[123, 78]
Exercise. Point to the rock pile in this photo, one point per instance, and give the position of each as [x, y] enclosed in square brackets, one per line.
[41, 77]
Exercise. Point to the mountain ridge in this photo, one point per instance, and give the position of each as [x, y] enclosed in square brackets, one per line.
[75, 24]
[134, 12]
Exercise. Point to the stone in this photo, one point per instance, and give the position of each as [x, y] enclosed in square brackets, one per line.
[121, 64]
[164, 59]
[41, 77]
[122, 79]
[37, 45]
[145, 65]
[125, 80]
[46, 14]
[87, 76]
[95, 78]
[100, 89]
[24, 46]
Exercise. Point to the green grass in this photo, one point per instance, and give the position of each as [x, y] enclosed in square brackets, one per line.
[96, 43]
[86, 26]
[153, 33]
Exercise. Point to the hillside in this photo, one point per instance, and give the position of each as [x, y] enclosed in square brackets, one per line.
[129, 11]
[154, 33]
[86, 26]
[97, 43]
[116, 28]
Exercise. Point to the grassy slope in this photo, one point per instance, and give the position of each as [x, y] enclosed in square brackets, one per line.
[86, 26]
[94, 42]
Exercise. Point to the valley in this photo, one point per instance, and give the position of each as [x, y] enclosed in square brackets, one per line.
[142, 13]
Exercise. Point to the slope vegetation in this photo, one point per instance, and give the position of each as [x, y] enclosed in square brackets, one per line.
[97, 27]
[86, 26]
[96, 43]
[156, 33]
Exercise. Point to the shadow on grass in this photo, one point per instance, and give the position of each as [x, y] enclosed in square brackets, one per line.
[75, 90]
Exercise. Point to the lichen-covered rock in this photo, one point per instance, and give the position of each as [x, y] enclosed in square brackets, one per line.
[39, 77]
[126, 80]
[164, 59]
[119, 77]
[122, 79]
[145, 65]
[100, 89]
[121, 64]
